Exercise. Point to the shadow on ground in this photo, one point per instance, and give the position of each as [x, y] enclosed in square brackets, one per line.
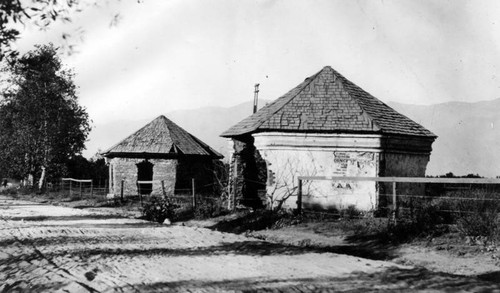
[251, 248]
[371, 246]
[390, 280]
[65, 218]
[251, 221]
[491, 276]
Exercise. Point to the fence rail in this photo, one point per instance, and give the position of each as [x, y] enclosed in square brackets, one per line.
[81, 188]
[191, 197]
[77, 180]
[407, 179]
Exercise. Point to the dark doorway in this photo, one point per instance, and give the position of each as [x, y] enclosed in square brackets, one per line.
[145, 173]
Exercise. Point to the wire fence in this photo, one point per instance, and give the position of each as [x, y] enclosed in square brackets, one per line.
[186, 198]
[399, 197]
[78, 188]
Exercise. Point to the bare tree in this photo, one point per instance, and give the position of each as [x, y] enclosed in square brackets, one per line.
[285, 183]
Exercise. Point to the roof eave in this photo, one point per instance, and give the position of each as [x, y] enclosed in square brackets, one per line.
[145, 155]
[336, 131]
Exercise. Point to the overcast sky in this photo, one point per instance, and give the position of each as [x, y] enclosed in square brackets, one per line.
[169, 55]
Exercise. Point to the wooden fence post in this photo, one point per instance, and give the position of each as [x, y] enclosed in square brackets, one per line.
[299, 198]
[121, 190]
[163, 188]
[91, 188]
[139, 191]
[70, 187]
[394, 202]
[194, 193]
[235, 183]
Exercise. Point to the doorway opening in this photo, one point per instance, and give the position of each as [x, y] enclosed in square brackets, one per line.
[145, 173]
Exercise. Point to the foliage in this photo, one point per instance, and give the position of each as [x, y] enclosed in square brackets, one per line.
[9, 191]
[157, 209]
[80, 168]
[15, 14]
[39, 13]
[41, 122]
[221, 180]
[451, 175]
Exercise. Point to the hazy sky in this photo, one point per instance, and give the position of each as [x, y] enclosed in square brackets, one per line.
[169, 55]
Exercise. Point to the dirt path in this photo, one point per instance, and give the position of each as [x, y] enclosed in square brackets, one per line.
[441, 255]
[57, 249]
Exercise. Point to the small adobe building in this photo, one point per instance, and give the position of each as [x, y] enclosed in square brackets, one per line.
[325, 126]
[161, 150]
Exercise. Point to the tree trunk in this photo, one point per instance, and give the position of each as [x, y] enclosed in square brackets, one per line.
[42, 179]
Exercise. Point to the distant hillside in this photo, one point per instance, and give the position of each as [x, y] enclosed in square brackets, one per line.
[468, 142]
[468, 136]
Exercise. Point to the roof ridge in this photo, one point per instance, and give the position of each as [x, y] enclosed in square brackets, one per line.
[266, 116]
[331, 103]
[161, 136]
[364, 106]
[172, 124]
[373, 121]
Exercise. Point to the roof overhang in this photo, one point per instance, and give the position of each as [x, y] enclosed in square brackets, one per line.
[167, 156]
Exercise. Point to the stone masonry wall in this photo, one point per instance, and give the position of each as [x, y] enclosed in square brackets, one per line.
[126, 169]
[165, 170]
[249, 173]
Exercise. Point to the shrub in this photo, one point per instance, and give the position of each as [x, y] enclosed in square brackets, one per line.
[475, 212]
[11, 192]
[157, 209]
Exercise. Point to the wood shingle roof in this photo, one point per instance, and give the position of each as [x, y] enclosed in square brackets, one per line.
[161, 137]
[327, 102]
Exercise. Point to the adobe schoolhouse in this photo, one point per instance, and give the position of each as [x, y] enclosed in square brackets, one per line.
[325, 126]
[160, 151]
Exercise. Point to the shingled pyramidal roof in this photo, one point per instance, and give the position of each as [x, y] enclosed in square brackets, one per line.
[161, 137]
[328, 103]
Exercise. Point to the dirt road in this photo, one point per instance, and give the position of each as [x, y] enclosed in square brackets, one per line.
[57, 249]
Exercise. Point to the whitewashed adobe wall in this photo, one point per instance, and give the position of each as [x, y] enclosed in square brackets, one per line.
[290, 155]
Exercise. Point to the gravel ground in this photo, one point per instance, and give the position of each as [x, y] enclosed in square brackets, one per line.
[47, 248]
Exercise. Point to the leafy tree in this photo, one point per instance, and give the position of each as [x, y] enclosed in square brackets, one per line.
[42, 125]
[81, 168]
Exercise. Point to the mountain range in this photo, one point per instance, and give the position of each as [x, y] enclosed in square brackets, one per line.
[468, 133]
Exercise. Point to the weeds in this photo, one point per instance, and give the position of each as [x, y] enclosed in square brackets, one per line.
[208, 207]
[351, 212]
[477, 214]
[473, 212]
